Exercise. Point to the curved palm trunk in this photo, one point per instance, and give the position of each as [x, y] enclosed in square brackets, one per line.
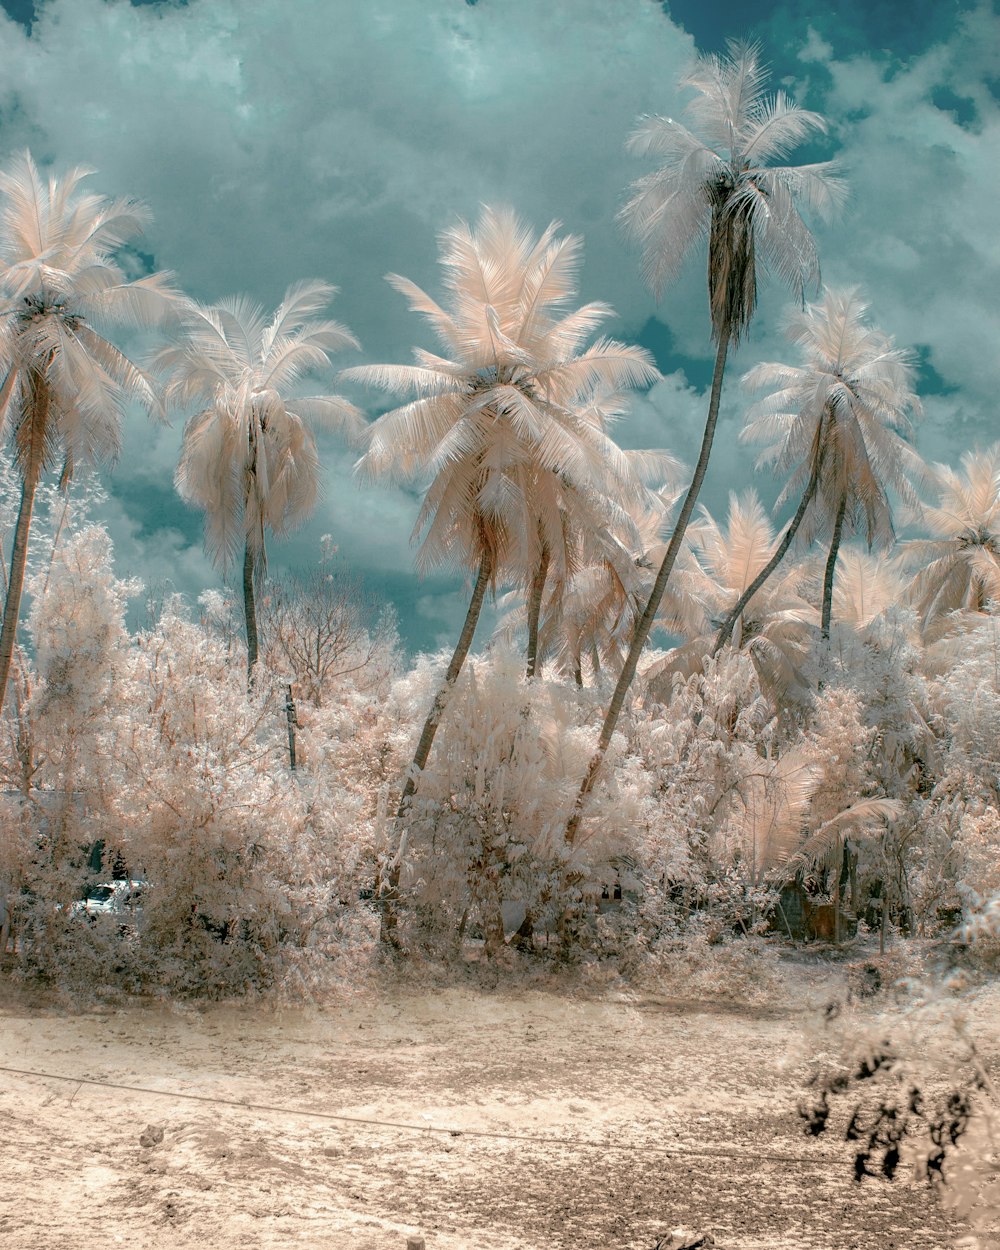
[250, 611]
[726, 632]
[831, 568]
[535, 611]
[389, 894]
[645, 622]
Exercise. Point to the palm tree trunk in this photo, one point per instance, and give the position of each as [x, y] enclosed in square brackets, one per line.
[389, 895]
[535, 611]
[23, 741]
[249, 611]
[726, 632]
[836, 893]
[18, 560]
[645, 622]
[32, 437]
[831, 568]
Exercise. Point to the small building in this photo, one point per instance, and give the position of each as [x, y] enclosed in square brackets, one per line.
[803, 918]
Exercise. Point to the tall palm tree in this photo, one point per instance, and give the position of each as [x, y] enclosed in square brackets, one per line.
[959, 567]
[64, 386]
[837, 423]
[505, 425]
[718, 180]
[249, 458]
[775, 635]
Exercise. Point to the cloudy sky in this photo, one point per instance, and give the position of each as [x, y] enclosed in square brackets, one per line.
[281, 139]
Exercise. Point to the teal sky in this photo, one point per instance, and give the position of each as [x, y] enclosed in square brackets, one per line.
[283, 139]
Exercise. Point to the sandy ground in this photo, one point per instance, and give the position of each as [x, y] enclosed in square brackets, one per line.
[481, 1121]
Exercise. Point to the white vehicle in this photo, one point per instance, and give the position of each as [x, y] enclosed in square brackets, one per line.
[121, 900]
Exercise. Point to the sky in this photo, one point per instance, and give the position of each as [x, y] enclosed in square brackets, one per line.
[276, 140]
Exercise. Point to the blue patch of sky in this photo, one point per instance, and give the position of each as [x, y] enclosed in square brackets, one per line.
[154, 507]
[961, 107]
[658, 339]
[897, 29]
[929, 381]
[25, 11]
[22, 11]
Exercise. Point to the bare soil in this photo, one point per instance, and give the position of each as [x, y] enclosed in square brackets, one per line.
[479, 1120]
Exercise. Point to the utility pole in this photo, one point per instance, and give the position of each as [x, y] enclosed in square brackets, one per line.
[292, 722]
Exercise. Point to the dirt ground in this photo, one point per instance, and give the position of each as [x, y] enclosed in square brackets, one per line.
[479, 1120]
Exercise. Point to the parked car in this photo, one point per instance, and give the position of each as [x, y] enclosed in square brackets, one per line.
[112, 901]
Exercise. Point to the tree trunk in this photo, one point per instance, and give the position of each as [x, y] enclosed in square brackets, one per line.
[831, 568]
[389, 894]
[249, 611]
[726, 632]
[837, 892]
[645, 622]
[535, 611]
[12, 604]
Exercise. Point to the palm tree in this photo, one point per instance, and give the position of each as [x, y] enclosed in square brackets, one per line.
[837, 424]
[249, 459]
[596, 612]
[719, 182]
[594, 592]
[959, 567]
[775, 635]
[868, 585]
[506, 426]
[64, 386]
[578, 523]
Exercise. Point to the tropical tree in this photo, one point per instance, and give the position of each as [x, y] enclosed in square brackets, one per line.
[837, 423]
[775, 635]
[604, 598]
[589, 522]
[510, 426]
[959, 567]
[64, 386]
[594, 596]
[719, 180]
[867, 586]
[249, 459]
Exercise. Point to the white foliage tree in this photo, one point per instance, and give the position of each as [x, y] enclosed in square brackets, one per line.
[720, 180]
[64, 386]
[249, 458]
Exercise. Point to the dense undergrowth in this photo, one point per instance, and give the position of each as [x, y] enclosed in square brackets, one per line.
[138, 754]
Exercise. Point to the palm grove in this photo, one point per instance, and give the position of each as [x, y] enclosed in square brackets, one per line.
[826, 715]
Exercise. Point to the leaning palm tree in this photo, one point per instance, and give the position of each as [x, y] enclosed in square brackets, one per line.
[719, 181]
[64, 386]
[249, 458]
[514, 414]
[959, 567]
[837, 423]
